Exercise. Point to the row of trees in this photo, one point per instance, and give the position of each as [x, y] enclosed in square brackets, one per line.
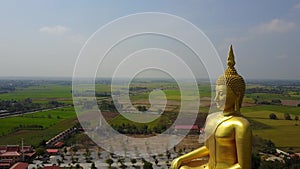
[288, 163]
[286, 116]
[26, 105]
[138, 129]
[265, 90]
[268, 147]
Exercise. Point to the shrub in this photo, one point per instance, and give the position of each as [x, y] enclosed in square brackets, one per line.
[273, 116]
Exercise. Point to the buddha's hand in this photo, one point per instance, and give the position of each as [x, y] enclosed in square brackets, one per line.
[176, 163]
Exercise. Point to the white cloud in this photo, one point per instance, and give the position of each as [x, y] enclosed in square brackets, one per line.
[271, 27]
[274, 26]
[55, 30]
[77, 38]
[282, 57]
[297, 6]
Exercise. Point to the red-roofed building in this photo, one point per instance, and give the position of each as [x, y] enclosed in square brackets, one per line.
[183, 128]
[52, 151]
[27, 149]
[20, 165]
[295, 155]
[14, 153]
[2, 149]
[12, 148]
[11, 155]
[186, 127]
[11, 152]
[59, 144]
[6, 163]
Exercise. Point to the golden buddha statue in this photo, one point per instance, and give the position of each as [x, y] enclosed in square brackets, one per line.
[228, 134]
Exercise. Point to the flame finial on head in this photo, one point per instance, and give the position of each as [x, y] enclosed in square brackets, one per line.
[230, 59]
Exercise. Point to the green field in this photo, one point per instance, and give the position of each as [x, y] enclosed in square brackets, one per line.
[284, 133]
[271, 96]
[44, 119]
[123, 120]
[38, 126]
[275, 108]
[34, 137]
[46, 123]
[43, 125]
[41, 93]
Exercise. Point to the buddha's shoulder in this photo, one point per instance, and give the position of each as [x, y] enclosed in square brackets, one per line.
[239, 120]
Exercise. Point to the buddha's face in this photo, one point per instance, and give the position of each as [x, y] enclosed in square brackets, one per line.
[225, 98]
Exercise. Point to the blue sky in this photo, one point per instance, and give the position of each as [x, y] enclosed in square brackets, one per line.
[43, 38]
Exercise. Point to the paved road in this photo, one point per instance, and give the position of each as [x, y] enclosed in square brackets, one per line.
[19, 113]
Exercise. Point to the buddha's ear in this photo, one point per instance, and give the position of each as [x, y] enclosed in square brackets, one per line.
[237, 101]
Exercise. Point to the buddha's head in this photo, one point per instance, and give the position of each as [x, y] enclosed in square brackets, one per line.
[230, 87]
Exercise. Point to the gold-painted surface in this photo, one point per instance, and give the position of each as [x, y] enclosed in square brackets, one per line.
[229, 143]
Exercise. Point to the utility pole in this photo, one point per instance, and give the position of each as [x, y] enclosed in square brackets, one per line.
[22, 149]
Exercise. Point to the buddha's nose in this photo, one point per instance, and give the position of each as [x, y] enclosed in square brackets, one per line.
[216, 98]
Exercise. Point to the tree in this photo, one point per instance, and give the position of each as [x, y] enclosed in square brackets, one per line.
[293, 162]
[287, 116]
[78, 166]
[62, 157]
[179, 153]
[167, 163]
[121, 160]
[65, 150]
[271, 165]
[255, 162]
[123, 166]
[74, 149]
[142, 108]
[269, 147]
[276, 101]
[93, 166]
[156, 162]
[296, 119]
[40, 151]
[58, 162]
[147, 165]
[87, 155]
[49, 116]
[133, 161]
[273, 116]
[168, 154]
[109, 161]
[99, 154]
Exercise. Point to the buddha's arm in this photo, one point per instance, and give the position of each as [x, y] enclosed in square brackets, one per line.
[243, 145]
[200, 152]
